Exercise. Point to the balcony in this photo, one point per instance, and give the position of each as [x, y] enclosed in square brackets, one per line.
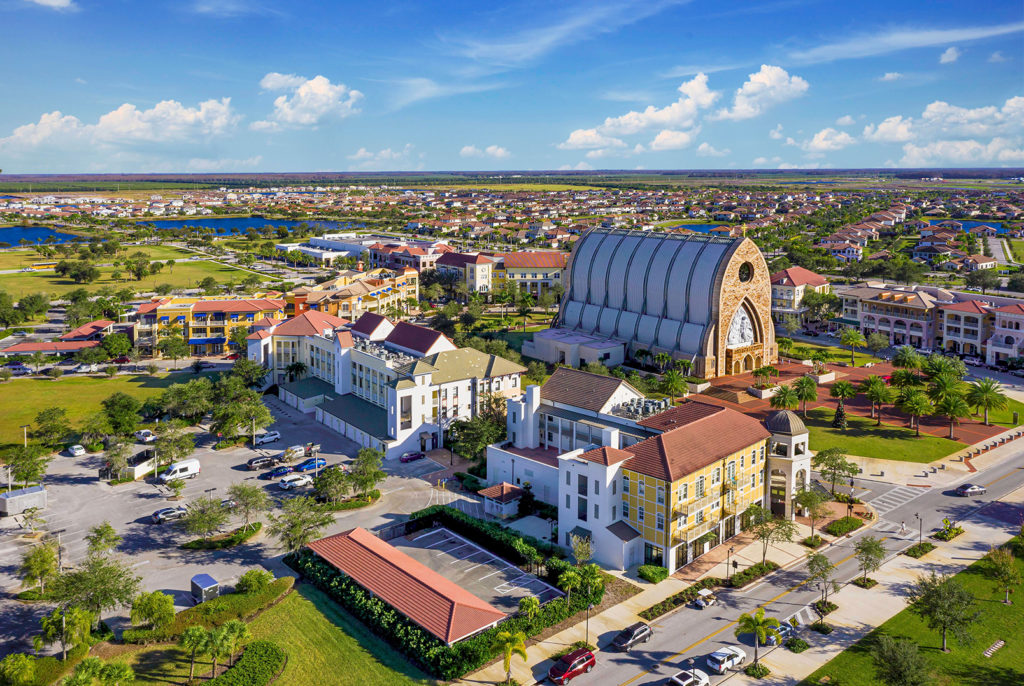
[730, 485]
[694, 532]
[698, 504]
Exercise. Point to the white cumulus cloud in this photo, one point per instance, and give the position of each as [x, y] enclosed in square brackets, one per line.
[708, 150]
[776, 133]
[769, 86]
[310, 102]
[385, 159]
[997, 56]
[998, 150]
[202, 164]
[950, 55]
[826, 140]
[890, 76]
[55, 4]
[673, 140]
[892, 130]
[586, 139]
[493, 151]
[845, 120]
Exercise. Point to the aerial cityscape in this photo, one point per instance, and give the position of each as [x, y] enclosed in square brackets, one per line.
[607, 343]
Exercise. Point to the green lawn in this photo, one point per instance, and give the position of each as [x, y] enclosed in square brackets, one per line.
[22, 399]
[962, 666]
[183, 275]
[16, 259]
[803, 351]
[864, 439]
[1005, 417]
[160, 252]
[1017, 246]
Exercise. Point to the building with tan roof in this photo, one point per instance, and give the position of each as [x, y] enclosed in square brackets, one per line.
[788, 289]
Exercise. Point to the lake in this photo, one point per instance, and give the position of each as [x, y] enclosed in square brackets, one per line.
[234, 225]
[34, 234]
[969, 224]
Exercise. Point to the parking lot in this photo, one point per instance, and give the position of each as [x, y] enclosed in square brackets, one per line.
[480, 572]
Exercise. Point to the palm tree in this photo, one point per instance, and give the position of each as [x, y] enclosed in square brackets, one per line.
[986, 394]
[510, 643]
[904, 378]
[878, 392]
[295, 369]
[917, 405]
[218, 645]
[806, 391]
[785, 345]
[662, 360]
[37, 360]
[684, 366]
[193, 640]
[785, 398]
[820, 358]
[568, 581]
[237, 632]
[762, 627]
[841, 391]
[852, 338]
[952, 408]
[590, 578]
[641, 354]
[672, 383]
[529, 606]
[945, 386]
[907, 358]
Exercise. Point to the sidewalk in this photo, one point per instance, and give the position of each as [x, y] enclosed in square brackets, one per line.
[861, 611]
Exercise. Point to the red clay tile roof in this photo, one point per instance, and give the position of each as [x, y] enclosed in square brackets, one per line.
[457, 259]
[260, 305]
[798, 276]
[503, 492]
[437, 604]
[539, 260]
[368, 323]
[606, 456]
[146, 308]
[258, 335]
[50, 346]
[682, 414]
[580, 389]
[696, 444]
[413, 337]
[87, 330]
[310, 323]
[971, 306]
[1011, 309]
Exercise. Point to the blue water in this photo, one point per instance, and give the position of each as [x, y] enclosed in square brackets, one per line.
[34, 234]
[969, 224]
[699, 228]
[234, 225]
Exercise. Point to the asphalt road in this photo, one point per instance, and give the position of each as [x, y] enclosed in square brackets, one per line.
[689, 633]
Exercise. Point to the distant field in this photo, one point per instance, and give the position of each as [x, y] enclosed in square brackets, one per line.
[510, 187]
[183, 275]
[160, 252]
[19, 258]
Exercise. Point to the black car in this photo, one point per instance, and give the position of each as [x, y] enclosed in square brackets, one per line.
[261, 462]
[631, 635]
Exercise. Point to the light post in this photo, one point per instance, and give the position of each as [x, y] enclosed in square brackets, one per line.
[589, 608]
[693, 678]
[920, 528]
[24, 429]
[728, 554]
[60, 562]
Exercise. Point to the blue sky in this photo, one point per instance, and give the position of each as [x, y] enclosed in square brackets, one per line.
[268, 85]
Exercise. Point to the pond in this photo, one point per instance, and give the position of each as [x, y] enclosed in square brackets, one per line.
[969, 224]
[235, 225]
[13, 235]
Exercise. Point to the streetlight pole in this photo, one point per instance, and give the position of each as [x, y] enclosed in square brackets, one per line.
[589, 608]
[692, 677]
[24, 429]
[728, 554]
[920, 528]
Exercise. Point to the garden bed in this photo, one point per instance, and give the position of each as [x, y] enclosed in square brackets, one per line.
[919, 550]
[843, 526]
[221, 541]
[864, 583]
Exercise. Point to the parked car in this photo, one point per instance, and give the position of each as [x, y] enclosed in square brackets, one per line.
[411, 457]
[572, 665]
[232, 356]
[785, 630]
[724, 659]
[973, 361]
[969, 490]
[16, 363]
[268, 437]
[123, 359]
[631, 635]
[186, 469]
[689, 677]
[76, 451]
[260, 462]
[145, 435]
[278, 471]
[202, 364]
[169, 514]
[311, 464]
[294, 481]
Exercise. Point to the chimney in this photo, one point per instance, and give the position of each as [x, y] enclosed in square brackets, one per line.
[610, 437]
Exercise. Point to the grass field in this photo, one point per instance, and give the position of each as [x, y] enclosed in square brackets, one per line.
[963, 665]
[160, 252]
[16, 259]
[184, 275]
[22, 399]
[1017, 246]
[1005, 417]
[864, 439]
[803, 350]
[510, 187]
[324, 644]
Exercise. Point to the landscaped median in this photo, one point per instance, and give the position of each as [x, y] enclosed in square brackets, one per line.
[689, 594]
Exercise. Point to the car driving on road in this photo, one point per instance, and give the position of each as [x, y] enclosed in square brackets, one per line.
[631, 635]
[169, 514]
[724, 659]
[572, 665]
[968, 490]
[689, 677]
[76, 451]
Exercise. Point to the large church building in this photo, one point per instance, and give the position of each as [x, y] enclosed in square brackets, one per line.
[706, 299]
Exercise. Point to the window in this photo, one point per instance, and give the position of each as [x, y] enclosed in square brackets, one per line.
[640, 514]
[682, 494]
[615, 485]
[597, 487]
[700, 487]
[640, 487]
[568, 479]
[406, 417]
[717, 476]
[659, 522]
[625, 483]
[581, 509]
[661, 495]
[595, 511]
[743, 461]
[753, 480]
[762, 453]
[568, 501]
[581, 484]
[700, 516]
[730, 472]
[625, 509]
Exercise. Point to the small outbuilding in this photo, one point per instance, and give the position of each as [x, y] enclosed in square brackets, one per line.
[502, 500]
[204, 587]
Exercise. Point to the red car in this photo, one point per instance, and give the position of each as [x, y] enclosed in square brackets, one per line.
[124, 359]
[411, 457]
[232, 356]
[571, 665]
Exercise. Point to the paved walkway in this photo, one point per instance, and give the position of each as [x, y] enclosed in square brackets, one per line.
[861, 611]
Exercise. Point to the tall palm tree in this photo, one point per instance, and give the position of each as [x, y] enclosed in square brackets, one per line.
[569, 580]
[904, 378]
[785, 398]
[662, 360]
[917, 405]
[295, 369]
[529, 606]
[510, 643]
[853, 339]
[841, 391]
[785, 345]
[986, 394]
[806, 391]
[952, 408]
[762, 627]
[218, 645]
[878, 392]
[684, 366]
[237, 632]
[907, 358]
[945, 386]
[672, 383]
[193, 640]
[590, 578]
[37, 360]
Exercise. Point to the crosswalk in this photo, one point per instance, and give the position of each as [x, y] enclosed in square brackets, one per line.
[890, 500]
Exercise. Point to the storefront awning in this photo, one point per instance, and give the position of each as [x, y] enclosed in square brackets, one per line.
[206, 341]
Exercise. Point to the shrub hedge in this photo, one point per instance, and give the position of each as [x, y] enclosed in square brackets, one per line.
[822, 628]
[354, 503]
[823, 607]
[575, 646]
[752, 573]
[843, 526]
[499, 539]
[864, 583]
[213, 613]
[419, 646]
[919, 549]
[757, 670]
[844, 498]
[687, 595]
[814, 541]
[796, 645]
[652, 573]
[948, 533]
[259, 664]
[469, 482]
[240, 535]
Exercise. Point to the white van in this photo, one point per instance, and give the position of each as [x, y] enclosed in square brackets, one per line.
[186, 469]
